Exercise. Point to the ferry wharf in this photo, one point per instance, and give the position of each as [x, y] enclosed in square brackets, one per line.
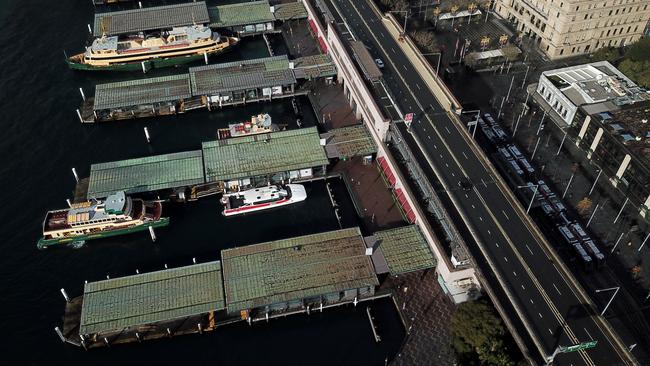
[210, 86]
[250, 284]
[297, 155]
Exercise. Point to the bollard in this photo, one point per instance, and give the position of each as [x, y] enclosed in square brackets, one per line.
[152, 233]
[321, 307]
[194, 260]
[146, 135]
[58, 331]
[205, 57]
[137, 336]
[169, 333]
[267, 316]
[83, 96]
[65, 295]
[144, 69]
[137, 271]
[76, 176]
[200, 328]
[68, 201]
[90, 30]
[79, 115]
[107, 277]
[140, 4]
[165, 265]
[355, 301]
[106, 341]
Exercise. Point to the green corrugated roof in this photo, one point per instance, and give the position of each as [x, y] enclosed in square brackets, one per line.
[289, 11]
[146, 174]
[405, 249]
[349, 141]
[246, 13]
[241, 75]
[295, 268]
[142, 91]
[151, 297]
[250, 156]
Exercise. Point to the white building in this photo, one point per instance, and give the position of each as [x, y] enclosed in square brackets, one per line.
[597, 83]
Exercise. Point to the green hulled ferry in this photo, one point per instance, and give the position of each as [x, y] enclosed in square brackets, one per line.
[117, 215]
[177, 46]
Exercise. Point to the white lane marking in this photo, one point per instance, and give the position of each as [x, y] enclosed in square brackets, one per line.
[586, 331]
[540, 315]
[480, 218]
[489, 232]
[504, 214]
[550, 331]
[558, 291]
[523, 287]
[531, 301]
[497, 244]
[514, 273]
[483, 182]
[527, 247]
[464, 155]
[453, 175]
[404, 66]
[506, 259]
[429, 137]
[447, 165]
[473, 206]
[446, 129]
[435, 146]
[440, 156]
[392, 49]
[418, 86]
[431, 105]
[382, 35]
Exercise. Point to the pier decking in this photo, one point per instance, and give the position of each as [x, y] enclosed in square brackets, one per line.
[263, 154]
[347, 142]
[146, 174]
[151, 18]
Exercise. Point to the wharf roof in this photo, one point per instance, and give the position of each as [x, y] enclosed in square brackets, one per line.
[404, 249]
[246, 13]
[261, 154]
[146, 174]
[289, 11]
[241, 75]
[349, 141]
[142, 91]
[365, 60]
[296, 268]
[151, 18]
[315, 66]
[151, 297]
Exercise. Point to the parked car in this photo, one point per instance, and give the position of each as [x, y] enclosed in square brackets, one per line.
[380, 63]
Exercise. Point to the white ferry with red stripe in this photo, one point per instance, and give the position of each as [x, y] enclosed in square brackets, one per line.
[263, 198]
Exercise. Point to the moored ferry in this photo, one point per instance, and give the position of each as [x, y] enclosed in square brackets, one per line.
[117, 215]
[168, 48]
[263, 198]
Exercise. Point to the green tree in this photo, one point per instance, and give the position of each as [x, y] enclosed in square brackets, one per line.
[639, 51]
[610, 54]
[478, 335]
[638, 71]
[425, 40]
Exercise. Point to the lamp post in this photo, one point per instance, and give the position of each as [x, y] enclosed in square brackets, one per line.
[615, 289]
[530, 205]
[439, 54]
[406, 16]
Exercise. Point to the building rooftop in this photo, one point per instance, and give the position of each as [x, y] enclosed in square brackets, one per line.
[147, 298]
[246, 13]
[241, 75]
[255, 155]
[142, 91]
[596, 82]
[146, 174]
[404, 249]
[315, 66]
[295, 269]
[349, 141]
[151, 18]
[289, 11]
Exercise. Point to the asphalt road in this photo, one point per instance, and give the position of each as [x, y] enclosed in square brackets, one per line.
[549, 305]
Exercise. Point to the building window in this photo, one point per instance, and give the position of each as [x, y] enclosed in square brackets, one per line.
[628, 29]
[609, 30]
[561, 51]
[573, 50]
[586, 15]
[587, 48]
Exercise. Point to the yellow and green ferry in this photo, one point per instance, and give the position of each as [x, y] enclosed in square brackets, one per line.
[94, 219]
[177, 46]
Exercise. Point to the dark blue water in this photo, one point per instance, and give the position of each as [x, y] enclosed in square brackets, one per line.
[42, 140]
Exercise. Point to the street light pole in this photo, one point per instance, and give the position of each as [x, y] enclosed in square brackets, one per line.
[439, 54]
[595, 181]
[523, 82]
[530, 205]
[610, 300]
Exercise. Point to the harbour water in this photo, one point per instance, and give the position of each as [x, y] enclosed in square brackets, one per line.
[42, 140]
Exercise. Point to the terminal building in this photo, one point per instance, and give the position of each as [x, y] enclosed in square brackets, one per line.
[250, 283]
[606, 115]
